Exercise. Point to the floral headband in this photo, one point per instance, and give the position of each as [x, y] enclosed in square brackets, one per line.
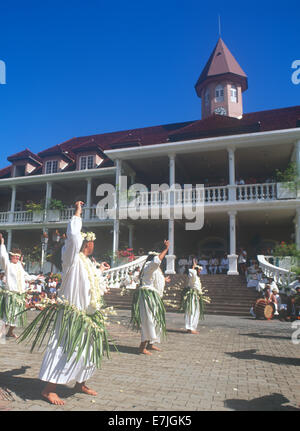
[15, 254]
[199, 267]
[153, 253]
[88, 236]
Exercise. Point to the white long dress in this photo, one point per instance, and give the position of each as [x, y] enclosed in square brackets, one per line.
[191, 320]
[75, 288]
[152, 279]
[16, 278]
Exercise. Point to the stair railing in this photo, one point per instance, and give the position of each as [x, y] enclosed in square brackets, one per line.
[119, 276]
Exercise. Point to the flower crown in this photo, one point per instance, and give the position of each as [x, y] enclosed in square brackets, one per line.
[153, 253]
[88, 236]
[14, 254]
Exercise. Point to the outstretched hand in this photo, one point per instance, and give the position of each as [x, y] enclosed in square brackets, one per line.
[167, 243]
[78, 207]
[1, 239]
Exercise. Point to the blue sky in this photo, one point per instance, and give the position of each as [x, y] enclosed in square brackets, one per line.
[76, 68]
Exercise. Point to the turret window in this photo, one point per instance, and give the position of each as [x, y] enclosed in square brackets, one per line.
[219, 93]
[233, 94]
[206, 98]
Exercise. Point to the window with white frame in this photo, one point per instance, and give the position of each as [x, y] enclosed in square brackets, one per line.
[219, 93]
[51, 166]
[233, 94]
[86, 162]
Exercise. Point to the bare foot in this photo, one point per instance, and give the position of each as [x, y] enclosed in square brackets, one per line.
[152, 347]
[145, 351]
[191, 331]
[83, 388]
[53, 398]
[11, 336]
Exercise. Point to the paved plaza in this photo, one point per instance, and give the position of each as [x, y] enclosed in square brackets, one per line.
[234, 364]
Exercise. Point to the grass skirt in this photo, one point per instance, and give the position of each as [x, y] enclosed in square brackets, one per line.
[12, 306]
[77, 332]
[154, 304]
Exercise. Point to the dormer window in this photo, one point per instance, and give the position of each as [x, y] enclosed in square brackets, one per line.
[233, 94]
[51, 167]
[219, 93]
[86, 162]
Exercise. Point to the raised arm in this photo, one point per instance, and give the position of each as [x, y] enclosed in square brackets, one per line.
[4, 258]
[73, 241]
[165, 251]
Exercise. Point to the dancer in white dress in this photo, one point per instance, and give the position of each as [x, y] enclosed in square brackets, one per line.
[82, 288]
[12, 296]
[191, 302]
[148, 312]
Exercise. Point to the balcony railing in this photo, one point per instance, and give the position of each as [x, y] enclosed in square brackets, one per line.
[162, 199]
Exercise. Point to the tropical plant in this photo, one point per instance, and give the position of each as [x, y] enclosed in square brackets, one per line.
[284, 249]
[31, 206]
[289, 177]
[56, 204]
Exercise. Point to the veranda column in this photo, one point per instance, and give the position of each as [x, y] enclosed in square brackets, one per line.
[48, 197]
[231, 166]
[232, 257]
[116, 220]
[12, 203]
[9, 239]
[170, 258]
[87, 211]
[297, 153]
[297, 228]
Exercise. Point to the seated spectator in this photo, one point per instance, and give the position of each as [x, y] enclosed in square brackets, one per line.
[224, 265]
[182, 263]
[204, 263]
[213, 265]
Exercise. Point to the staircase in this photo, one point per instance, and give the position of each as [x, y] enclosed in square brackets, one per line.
[229, 295]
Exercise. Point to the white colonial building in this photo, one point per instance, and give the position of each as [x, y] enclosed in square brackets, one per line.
[233, 154]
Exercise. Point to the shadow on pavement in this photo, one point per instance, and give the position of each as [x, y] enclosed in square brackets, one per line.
[177, 331]
[273, 402]
[276, 337]
[28, 388]
[124, 349]
[251, 354]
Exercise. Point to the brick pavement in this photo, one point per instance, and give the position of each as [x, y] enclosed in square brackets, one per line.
[235, 363]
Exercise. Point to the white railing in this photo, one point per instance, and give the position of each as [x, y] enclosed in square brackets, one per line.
[4, 217]
[251, 192]
[162, 199]
[118, 276]
[279, 275]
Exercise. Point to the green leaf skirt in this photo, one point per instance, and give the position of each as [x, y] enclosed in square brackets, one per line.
[191, 301]
[155, 305]
[75, 330]
[12, 306]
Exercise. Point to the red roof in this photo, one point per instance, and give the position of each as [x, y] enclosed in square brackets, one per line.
[213, 126]
[23, 155]
[221, 63]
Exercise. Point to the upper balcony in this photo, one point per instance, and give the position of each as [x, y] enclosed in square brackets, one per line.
[213, 198]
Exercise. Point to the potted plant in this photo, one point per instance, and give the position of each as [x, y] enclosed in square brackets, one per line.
[288, 182]
[36, 209]
[54, 208]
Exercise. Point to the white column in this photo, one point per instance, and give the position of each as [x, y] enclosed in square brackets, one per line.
[297, 228]
[9, 240]
[231, 167]
[116, 238]
[48, 194]
[232, 257]
[12, 203]
[87, 211]
[170, 258]
[130, 237]
[297, 156]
